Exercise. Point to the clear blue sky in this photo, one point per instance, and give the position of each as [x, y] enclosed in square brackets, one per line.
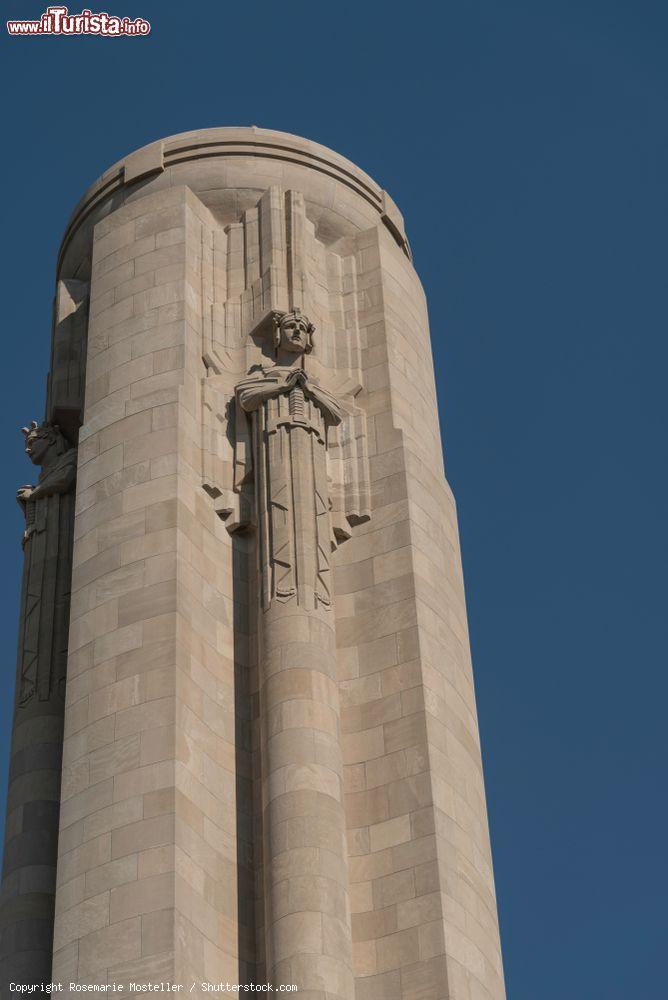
[544, 262]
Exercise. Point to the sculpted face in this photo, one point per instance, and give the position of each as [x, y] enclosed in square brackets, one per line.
[37, 446]
[44, 442]
[295, 333]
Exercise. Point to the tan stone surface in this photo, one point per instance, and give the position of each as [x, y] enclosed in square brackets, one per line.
[27, 892]
[209, 776]
[138, 793]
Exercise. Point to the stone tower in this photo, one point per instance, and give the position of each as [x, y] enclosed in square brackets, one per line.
[256, 757]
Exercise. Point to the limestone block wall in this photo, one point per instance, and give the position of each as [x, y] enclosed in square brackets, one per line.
[27, 893]
[424, 911]
[31, 834]
[187, 247]
[146, 871]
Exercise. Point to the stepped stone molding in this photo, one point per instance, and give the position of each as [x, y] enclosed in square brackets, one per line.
[241, 144]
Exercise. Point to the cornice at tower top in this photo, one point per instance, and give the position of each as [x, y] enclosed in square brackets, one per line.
[146, 165]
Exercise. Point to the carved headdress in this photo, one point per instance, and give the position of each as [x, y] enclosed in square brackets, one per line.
[46, 430]
[295, 316]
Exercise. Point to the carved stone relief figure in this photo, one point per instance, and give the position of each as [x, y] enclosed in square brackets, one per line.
[283, 421]
[47, 545]
[290, 414]
[31, 837]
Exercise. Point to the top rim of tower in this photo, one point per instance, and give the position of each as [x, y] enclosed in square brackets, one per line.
[154, 158]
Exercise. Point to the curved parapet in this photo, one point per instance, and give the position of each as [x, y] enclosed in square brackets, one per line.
[229, 168]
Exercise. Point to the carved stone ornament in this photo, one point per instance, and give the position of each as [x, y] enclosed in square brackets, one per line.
[290, 414]
[47, 544]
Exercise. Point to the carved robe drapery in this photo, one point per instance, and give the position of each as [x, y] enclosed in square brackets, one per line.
[283, 420]
[290, 416]
[31, 837]
[45, 597]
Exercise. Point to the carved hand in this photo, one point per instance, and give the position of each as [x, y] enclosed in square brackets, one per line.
[24, 494]
[298, 375]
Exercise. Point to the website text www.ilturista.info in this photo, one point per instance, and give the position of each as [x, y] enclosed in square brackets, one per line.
[59, 21]
[197, 989]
